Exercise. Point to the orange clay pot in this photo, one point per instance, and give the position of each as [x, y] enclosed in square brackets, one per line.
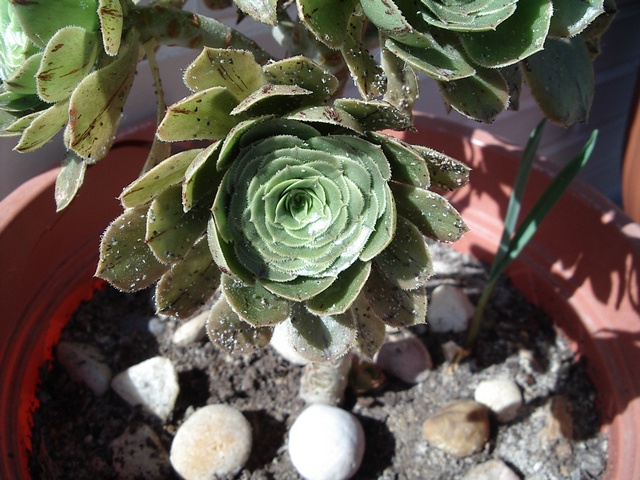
[582, 267]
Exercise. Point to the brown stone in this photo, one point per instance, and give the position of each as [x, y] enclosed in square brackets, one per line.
[460, 428]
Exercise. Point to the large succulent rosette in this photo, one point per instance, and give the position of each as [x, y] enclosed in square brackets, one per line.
[305, 219]
[479, 50]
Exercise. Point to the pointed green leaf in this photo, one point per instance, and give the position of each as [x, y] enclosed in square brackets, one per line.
[67, 60]
[170, 231]
[229, 332]
[329, 25]
[235, 70]
[159, 178]
[481, 97]
[205, 115]
[125, 260]
[23, 80]
[262, 10]
[561, 80]
[339, 296]
[384, 230]
[371, 330]
[111, 21]
[43, 127]
[445, 172]
[407, 165]
[374, 115]
[402, 82]
[254, 304]
[406, 260]
[69, 179]
[17, 125]
[224, 255]
[298, 289]
[327, 115]
[305, 74]
[571, 17]
[269, 98]
[231, 142]
[394, 306]
[431, 213]
[202, 178]
[320, 339]
[518, 37]
[189, 284]
[96, 103]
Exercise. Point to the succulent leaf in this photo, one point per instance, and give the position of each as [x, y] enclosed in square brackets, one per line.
[111, 21]
[43, 127]
[481, 97]
[445, 172]
[371, 330]
[338, 297]
[394, 306]
[300, 288]
[467, 16]
[431, 213]
[159, 178]
[189, 284]
[561, 80]
[126, 261]
[23, 79]
[320, 338]
[305, 74]
[518, 37]
[262, 10]
[97, 102]
[202, 178]
[254, 304]
[170, 231]
[69, 179]
[328, 21]
[271, 99]
[327, 115]
[235, 70]
[407, 164]
[227, 330]
[571, 17]
[224, 255]
[406, 260]
[205, 115]
[374, 115]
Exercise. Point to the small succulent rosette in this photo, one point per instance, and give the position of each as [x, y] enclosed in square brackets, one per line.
[64, 62]
[300, 214]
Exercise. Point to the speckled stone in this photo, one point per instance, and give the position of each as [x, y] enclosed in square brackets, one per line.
[85, 364]
[460, 428]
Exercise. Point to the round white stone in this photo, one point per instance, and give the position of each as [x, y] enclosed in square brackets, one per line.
[85, 364]
[214, 441]
[491, 470]
[502, 396]
[326, 443]
[405, 358]
[449, 309]
[280, 343]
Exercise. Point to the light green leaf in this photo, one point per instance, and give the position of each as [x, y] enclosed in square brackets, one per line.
[445, 172]
[277, 99]
[262, 10]
[170, 231]
[407, 165]
[205, 115]
[162, 176]
[43, 127]
[201, 180]
[229, 332]
[253, 303]
[111, 21]
[374, 115]
[189, 284]
[125, 260]
[371, 330]
[23, 80]
[67, 60]
[431, 213]
[225, 257]
[97, 102]
[571, 17]
[327, 115]
[328, 23]
[235, 70]
[69, 179]
[298, 289]
[339, 296]
[305, 74]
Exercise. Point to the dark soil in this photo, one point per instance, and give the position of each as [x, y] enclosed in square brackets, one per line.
[73, 428]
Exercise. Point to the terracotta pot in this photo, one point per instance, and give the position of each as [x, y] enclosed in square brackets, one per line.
[583, 268]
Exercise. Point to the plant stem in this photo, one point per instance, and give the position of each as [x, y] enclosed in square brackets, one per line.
[172, 26]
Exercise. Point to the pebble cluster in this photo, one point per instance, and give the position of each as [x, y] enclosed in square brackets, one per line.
[325, 441]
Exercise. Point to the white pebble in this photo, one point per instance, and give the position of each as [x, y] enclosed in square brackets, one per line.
[406, 358]
[152, 384]
[214, 441]
[85, 364]
[193, 330]
[449, 309]
[138, 453]
[157, 324]
[502, 396]
[326, 443]
[280, 343]
[491, 470]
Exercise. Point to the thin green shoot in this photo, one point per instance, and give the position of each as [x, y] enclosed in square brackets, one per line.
[513, 241]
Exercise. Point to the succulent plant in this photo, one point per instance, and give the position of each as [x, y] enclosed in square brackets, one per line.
[299, 212]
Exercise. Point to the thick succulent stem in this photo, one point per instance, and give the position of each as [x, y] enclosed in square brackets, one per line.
[172, 26]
